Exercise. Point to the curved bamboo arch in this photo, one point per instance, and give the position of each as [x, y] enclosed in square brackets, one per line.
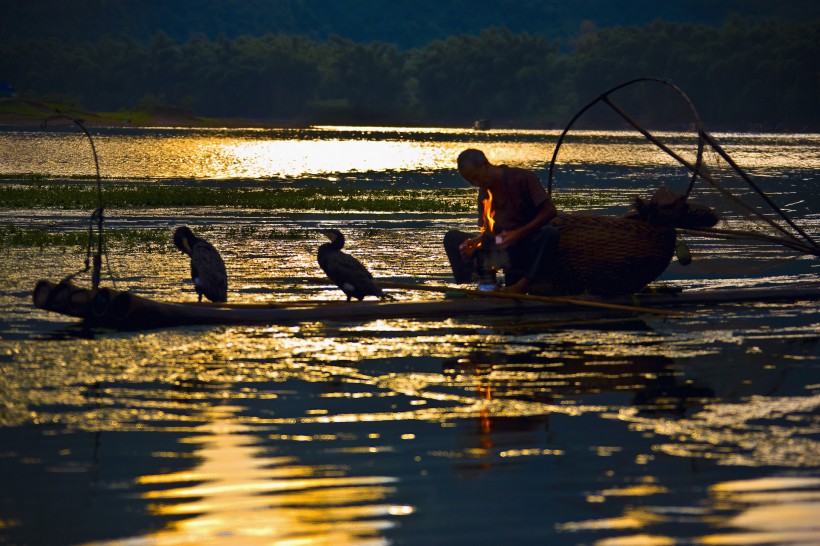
[605, 98]
[809, 246]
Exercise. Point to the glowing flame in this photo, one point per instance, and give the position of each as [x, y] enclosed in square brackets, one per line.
[488, 215]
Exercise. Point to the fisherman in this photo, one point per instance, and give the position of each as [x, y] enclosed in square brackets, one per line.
[521, 211]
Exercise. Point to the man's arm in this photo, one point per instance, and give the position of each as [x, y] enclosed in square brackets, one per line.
[543, 216]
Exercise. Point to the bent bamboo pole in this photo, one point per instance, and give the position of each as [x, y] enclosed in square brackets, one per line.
[530, 297]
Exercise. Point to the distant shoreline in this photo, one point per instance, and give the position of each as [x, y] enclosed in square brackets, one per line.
[20, 113]
[33, 113]
[21, 121]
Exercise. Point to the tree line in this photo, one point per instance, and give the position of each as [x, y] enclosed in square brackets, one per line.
[405, 23]
[742, 75]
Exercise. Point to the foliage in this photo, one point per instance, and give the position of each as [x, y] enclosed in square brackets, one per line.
[743, 75]
[403, 23]
[495, 75]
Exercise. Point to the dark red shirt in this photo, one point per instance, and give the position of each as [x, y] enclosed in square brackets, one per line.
[522, 195]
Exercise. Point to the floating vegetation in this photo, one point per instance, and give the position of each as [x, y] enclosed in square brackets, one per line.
[267, 234]
[127, 239]
[146, 239]
[28, 193]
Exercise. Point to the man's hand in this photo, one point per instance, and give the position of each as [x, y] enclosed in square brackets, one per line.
[507, 239]
[469, 246]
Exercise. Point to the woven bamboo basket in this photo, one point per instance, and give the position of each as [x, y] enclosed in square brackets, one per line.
[607, 255]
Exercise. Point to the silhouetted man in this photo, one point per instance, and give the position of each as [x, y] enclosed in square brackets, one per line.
[523, 211]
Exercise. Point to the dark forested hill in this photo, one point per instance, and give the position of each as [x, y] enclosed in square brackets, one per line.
[405, 23]
[747, 63]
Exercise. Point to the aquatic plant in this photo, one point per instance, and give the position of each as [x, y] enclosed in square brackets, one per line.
[246, 232]
[28, 193]
[156, 239]
[146, 239]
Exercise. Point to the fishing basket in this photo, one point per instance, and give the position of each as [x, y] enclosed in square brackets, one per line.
[606, 255]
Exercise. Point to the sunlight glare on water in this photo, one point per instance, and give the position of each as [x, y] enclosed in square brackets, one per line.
[290, 154]
[219, 156]
[238, 493]
[563, 427]
[294, 159]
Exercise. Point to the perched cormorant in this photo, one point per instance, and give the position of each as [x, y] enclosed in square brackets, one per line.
[344, 270]
[207, 268]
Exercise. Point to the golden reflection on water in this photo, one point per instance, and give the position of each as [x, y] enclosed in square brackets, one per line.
[240, 494]
[328, 151]
[775, 510]
[290, 159]
[726, 433]
[486, 386]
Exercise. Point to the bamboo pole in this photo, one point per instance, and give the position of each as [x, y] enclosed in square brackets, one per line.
[529, 297]
[812, 245]
[719, 233]
[265, 304]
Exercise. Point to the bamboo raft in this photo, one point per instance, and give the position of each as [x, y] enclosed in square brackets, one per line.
[123, 310]
[612, 259]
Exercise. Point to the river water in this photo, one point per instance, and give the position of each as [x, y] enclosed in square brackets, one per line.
[572, 429]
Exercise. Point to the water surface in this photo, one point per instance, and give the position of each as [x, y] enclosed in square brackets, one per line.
[553, 429]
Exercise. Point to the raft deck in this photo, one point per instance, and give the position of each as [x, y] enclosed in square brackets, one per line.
[123, 310]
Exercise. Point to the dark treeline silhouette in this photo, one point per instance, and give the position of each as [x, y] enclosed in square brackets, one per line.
[405, 23]
[745, 74]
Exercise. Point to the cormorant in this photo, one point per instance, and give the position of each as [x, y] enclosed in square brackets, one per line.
[344, 270]
[207, 268]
